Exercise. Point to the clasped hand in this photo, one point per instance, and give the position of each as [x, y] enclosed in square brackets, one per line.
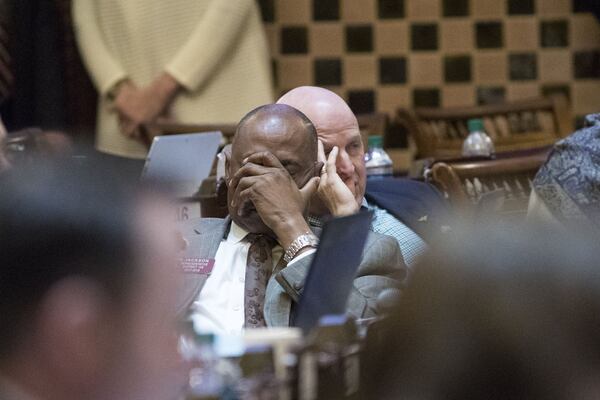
[137, 106]
[264, 183]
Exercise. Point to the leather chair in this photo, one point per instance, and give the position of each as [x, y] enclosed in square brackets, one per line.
[500, 186]
[514, 126]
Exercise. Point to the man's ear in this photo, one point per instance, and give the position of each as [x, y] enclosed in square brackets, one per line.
[318, 167]
[226, 154]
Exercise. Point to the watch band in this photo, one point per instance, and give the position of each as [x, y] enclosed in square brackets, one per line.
[307, 239]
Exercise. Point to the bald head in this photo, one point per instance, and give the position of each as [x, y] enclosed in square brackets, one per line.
[276, 122]
[324, 108]
[279, 130]
[336, 125]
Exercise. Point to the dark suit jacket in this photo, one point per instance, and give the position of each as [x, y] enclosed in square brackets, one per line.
[382, 267]
[419, 205]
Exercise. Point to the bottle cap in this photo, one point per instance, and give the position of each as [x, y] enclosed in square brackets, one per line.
[375, 141]
[475, 125]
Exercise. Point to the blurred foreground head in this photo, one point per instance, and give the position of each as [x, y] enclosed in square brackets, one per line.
[86, 281]
[497, 315]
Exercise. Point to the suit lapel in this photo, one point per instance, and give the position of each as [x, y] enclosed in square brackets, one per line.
[203, 237]
[278, 304]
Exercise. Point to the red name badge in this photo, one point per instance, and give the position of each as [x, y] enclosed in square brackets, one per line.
[193, 265]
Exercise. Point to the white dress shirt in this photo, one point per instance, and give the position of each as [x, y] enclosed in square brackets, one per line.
[219, 308]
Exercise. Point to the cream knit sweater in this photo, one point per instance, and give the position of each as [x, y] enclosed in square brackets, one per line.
[216, 49]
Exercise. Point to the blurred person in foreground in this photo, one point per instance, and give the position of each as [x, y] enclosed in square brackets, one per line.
[494, 315]
[566, 190]
[87, 286]
[344, 177]
[246, 271]
[191, 61]
[32, 144]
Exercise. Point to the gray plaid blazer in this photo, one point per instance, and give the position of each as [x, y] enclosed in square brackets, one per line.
[382, 267]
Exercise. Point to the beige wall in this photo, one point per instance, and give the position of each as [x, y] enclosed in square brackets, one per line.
[543, 47]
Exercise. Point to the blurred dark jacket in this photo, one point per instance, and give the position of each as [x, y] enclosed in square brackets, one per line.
[36, 47]
[418, 205]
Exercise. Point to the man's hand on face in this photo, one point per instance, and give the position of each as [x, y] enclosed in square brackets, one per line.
[263, 183]
[338, 199]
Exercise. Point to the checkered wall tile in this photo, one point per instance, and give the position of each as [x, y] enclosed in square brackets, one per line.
[382, 54]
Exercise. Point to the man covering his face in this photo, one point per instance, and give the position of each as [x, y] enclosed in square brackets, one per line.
[343, 179]
[273, 172]
[246, 270]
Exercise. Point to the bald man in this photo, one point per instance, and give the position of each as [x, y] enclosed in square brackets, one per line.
[246, 271]
[343, 179]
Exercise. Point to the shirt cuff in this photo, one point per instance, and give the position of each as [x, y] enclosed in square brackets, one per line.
[301, 256]
[112, 83]
[181, 78]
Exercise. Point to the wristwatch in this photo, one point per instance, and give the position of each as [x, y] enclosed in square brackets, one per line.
[307, 239]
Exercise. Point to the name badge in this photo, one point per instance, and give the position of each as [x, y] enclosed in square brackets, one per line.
[193, 265]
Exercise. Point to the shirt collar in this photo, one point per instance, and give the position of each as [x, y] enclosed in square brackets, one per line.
[320, 221]
[315, 221]
[236, 233]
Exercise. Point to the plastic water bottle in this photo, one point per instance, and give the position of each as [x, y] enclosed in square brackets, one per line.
[478, 143]
[377, 161]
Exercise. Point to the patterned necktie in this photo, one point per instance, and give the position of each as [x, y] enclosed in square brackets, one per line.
[258, 270]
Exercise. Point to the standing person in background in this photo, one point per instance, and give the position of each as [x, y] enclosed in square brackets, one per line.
[193, 61]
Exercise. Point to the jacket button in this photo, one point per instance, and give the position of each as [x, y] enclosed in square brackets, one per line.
[297, 286]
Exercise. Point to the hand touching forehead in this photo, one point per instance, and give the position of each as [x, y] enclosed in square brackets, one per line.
[274, 155]
[280, 130]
